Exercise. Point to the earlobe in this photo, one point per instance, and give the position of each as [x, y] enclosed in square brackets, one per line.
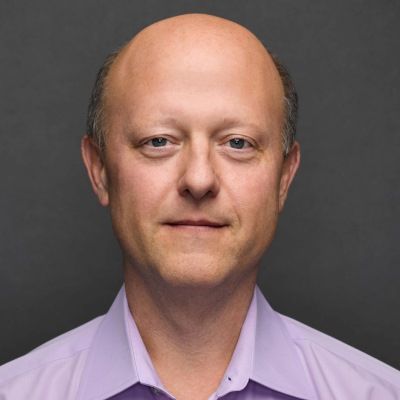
[290, 165]
[93, 160]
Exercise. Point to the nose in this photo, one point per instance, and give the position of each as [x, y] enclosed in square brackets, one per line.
[198, 179]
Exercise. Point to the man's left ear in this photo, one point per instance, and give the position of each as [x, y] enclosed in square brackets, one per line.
[290, 165]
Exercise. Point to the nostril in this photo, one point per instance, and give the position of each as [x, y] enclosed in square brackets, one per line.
[198, 184]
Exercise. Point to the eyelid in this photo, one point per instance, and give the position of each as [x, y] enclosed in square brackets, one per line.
[248, 140]
[148, 140]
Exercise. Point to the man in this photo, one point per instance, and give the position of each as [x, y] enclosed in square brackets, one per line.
[191, 146]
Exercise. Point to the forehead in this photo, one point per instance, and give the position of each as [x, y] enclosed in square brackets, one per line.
[174, 71]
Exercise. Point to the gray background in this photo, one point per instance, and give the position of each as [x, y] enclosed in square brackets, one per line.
[335, 262]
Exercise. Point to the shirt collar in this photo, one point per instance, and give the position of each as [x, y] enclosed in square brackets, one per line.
[118, 359]
[277, 364]
[109, 367]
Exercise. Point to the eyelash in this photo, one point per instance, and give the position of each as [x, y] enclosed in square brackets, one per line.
[249, 144]
[155, 138]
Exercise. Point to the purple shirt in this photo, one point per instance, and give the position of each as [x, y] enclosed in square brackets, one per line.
[275, 357]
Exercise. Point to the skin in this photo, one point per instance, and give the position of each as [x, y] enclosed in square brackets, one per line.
[194, 176]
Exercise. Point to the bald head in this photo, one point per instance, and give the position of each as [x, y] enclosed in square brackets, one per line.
[192, 48]
[194, 35]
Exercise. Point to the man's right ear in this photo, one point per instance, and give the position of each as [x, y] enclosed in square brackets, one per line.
[95, 167]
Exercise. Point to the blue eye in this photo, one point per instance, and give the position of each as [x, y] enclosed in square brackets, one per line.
[159, 142]
[238, 143]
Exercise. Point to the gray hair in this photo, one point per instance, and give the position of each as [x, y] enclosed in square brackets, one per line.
[291, 106]
[96, 121]
[96, 116]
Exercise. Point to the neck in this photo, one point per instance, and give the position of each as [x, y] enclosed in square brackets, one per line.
[191, 332]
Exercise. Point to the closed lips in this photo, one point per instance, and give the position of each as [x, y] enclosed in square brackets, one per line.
[198, 223]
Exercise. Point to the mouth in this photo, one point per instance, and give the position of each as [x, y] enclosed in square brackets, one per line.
[201, 222]
[196, 225]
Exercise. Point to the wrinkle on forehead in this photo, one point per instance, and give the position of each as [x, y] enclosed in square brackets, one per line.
[199, 43]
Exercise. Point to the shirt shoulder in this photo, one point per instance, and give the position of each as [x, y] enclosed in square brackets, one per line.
[51, 370]
[335, 367]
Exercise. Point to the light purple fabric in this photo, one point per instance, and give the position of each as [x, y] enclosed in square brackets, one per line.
[276, 357]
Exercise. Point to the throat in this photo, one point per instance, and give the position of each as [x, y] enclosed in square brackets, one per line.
[190, 337]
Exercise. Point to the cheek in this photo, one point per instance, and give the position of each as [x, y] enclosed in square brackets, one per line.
[257, 206]
[258, 189]
[136, 189]
[254, 196]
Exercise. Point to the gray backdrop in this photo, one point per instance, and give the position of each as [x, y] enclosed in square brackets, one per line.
[335, 262]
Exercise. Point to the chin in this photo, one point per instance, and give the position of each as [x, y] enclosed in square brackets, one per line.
[203, 272]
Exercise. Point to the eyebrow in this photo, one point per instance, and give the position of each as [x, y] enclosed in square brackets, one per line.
[224, 124]
[228, 123]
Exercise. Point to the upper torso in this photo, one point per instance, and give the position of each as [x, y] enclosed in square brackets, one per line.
[276, 358]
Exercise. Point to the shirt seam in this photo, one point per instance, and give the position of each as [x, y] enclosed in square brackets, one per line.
[67, 336]
[44, 364]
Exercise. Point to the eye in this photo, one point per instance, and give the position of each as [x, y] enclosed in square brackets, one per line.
[239, 143]
[159, 146]
[157, 142]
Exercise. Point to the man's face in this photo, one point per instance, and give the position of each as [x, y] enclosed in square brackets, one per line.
[193, 168]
